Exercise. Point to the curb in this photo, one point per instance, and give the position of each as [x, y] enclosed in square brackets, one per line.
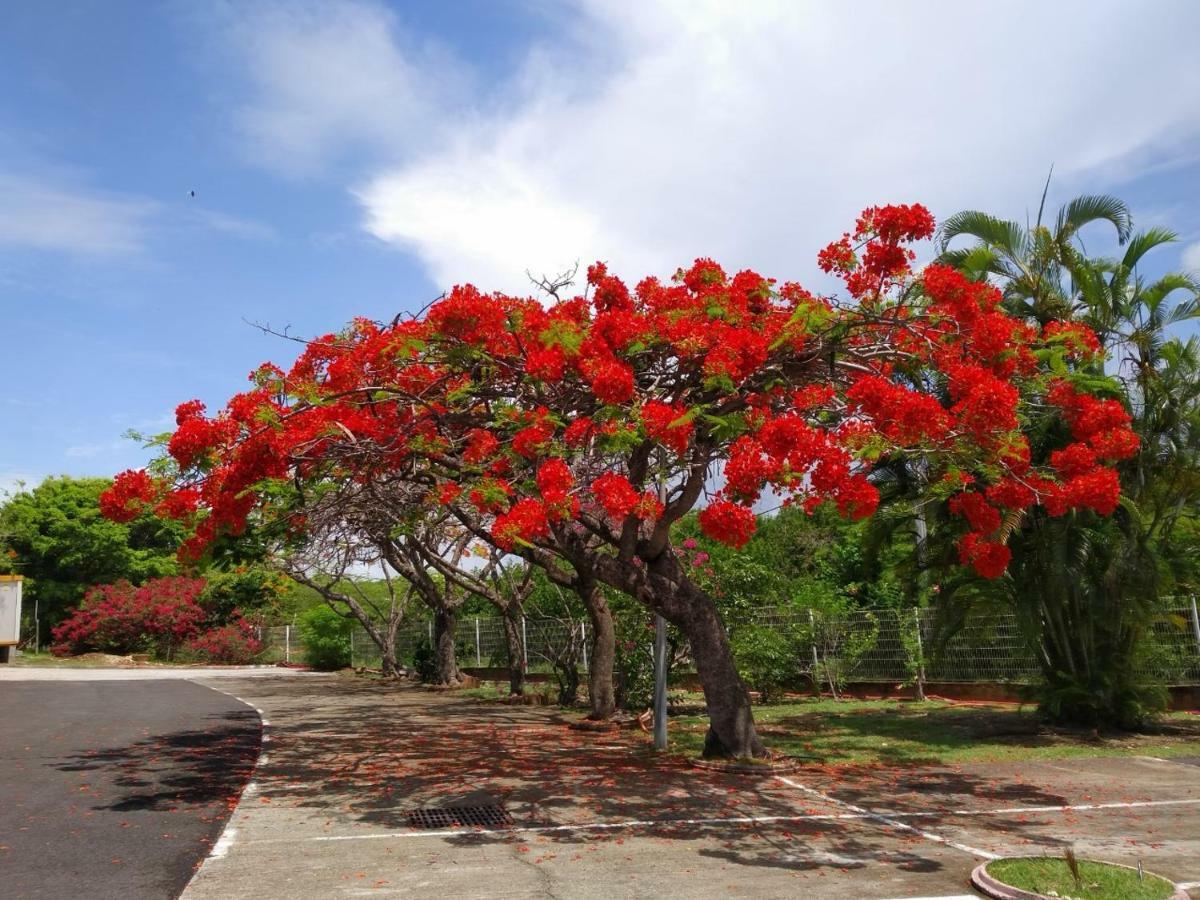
[998, 890]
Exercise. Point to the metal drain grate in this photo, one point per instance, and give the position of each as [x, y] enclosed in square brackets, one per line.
[490, 816]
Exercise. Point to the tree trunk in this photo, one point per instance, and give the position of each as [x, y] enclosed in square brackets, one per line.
[516, 652]
[603, 654]
[731, 731]
[388, 666]
[445, 628]
[664, 587]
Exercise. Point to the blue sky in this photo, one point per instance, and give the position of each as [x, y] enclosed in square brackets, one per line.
[357, 158]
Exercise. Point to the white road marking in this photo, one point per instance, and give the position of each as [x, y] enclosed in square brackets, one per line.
[224, 842]
[890, 822]
[1070, 807]
[857, 814]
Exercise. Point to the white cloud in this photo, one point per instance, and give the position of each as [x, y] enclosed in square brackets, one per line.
[87, 451]
[754, 133]
[55, 211]
[329, 78]
[1191, 258]
[235, 226]
[38, 214]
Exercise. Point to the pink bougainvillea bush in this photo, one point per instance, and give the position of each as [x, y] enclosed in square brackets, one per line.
[163, 617]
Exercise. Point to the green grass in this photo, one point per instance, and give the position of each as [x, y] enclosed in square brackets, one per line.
[60, 662]
[864, 732]
[485, 691]
[1097, 881]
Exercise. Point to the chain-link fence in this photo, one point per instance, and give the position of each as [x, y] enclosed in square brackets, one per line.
[281, 644]
[865, 645]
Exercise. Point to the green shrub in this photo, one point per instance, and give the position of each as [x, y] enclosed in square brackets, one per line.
[767, 658]
[326, 638]
[424, 661]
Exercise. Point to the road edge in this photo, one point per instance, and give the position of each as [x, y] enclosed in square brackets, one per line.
[228, 833]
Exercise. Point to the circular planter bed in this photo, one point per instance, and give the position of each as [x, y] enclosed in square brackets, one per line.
[1040, 877]
[594, 725]
[777, 766]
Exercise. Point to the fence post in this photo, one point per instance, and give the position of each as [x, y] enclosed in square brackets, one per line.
[1195, 624]
[478, 659]
[524, 647]
[812, 622]
[287, 643]
[583, 635]
[352, 648]
[431, 632]
[920, 656]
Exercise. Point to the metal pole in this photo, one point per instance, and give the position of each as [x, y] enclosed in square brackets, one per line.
[431, 632]
[1195, 623]
[524, 647]
[478, 660]
[660, 683]
[351, 648]
[583, 634]
[287, 643]
[812, 621]
[920, 656]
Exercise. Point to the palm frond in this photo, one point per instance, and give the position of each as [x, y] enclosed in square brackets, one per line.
[1153, 296]
[999, 233]
[1093, 208]
[1145, 241]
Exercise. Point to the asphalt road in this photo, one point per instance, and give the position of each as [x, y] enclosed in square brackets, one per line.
[116, 789]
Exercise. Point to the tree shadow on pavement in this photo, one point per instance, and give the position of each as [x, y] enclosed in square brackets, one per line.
[188, 767]
[370, 753]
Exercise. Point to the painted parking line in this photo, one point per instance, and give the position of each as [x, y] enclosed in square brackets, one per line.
[854, 814]
[889, 821]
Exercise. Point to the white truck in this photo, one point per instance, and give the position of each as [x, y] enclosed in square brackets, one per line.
[10, 615]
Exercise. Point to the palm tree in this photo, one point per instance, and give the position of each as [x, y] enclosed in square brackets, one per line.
[1085, 588]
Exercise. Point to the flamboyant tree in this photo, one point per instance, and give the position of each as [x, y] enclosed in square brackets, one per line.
[575, 432]
[344, 535]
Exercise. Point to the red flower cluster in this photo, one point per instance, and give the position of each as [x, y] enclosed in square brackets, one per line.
[988, 558]
[520, 408]
[612, 381]
[900, 414]
[531, 441]
[554, 480]
[1081, 342]
[728, 523]
[669, 424]
[616, 495]
[982, 516]
[481, 446]
[526, 521]
[126, 499]
[546, 364]
[882, 232]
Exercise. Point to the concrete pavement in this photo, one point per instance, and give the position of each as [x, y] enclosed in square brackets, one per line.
[597, 816]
